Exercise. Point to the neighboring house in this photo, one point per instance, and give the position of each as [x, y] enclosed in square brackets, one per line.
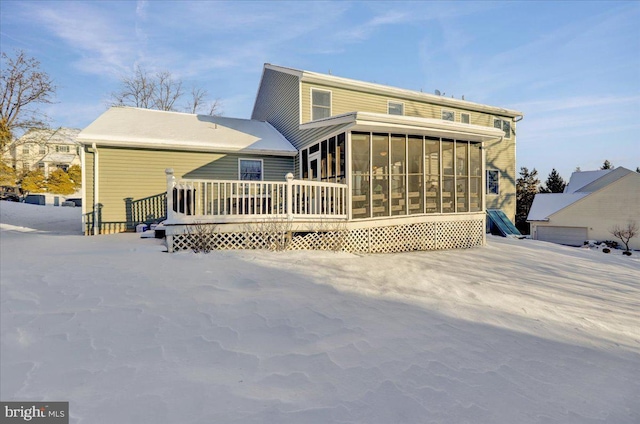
[400, 169]
[46, 149]
[592, 203]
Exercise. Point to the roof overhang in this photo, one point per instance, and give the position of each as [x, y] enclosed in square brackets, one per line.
[159, 144]
[380, 122]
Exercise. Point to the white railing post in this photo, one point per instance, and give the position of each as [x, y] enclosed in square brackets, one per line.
[171, 182]
[289, 210]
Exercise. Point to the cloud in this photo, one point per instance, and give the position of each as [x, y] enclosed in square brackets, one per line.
[93, 34]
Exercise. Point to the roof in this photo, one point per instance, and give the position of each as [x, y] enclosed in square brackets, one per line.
[378, 121]
[581, 184]
[146, 128]
[60, 135]
[546, 204]
[58, 157]
[580, 179]
[399, 93]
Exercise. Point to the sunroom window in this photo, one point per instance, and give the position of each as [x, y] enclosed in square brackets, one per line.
[320, 104]
[448, 115]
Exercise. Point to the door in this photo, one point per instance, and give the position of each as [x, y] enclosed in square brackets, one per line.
[571, 236]
[314, 166]
[313, 193]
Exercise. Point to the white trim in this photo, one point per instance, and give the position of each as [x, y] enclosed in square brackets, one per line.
[251, 159]
[312, 89]
[96, 179]
[84, 186]
[398, 103]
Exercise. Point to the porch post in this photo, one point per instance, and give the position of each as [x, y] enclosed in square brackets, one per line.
[171, 182]
[289, 211]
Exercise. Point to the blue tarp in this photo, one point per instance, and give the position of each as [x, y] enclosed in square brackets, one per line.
[500, 224]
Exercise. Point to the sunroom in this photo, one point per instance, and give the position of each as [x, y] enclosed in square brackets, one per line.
[393, 183]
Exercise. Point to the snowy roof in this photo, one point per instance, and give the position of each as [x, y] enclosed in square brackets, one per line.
[581, 184]
[580, 179]
[51, 136]
[546, 204]
[58, 157]
[135, 127]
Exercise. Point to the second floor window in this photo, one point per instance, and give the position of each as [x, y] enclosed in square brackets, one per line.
[25, 150]
[43, 150]
[504, 126]
[448, 115]
[320, 104]
[62, 149]
[395, 108]
[464, 118]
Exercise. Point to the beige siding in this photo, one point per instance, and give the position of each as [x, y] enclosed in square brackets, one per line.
[138, 174]
[502, 156]
[617, 203]
[346, 100]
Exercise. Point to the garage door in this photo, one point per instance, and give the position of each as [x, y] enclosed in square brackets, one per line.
[572, 236]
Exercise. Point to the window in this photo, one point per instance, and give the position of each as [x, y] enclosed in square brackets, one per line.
[250, 169]
[504, 126]
[43, 150]
[493, 182]
[320, 104]
[395, 108]
[448, 115]
[26, 150]
[65, 168]
[62, 149]
[464, 118]
[41, 166]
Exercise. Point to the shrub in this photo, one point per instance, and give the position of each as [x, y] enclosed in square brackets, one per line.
[627, 252]
[606, 250]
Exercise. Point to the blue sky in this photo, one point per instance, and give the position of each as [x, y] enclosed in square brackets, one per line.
[572, 68]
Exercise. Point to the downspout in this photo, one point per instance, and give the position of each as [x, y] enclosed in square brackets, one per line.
[84, 188]
[95, 190]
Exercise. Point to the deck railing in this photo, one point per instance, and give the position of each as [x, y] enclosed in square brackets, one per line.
[228, 201]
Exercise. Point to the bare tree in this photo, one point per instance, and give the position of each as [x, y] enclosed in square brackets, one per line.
[199, 104]
[625, 233]
[168, 90]
[23, 86]
[161, 91]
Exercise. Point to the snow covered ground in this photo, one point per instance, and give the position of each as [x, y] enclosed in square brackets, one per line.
[519, 331]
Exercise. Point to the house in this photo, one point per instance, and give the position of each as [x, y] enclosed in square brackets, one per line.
[592, 203]
[46, 149]
[396, 169]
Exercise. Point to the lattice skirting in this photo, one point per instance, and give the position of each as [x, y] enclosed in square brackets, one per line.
[379, 239]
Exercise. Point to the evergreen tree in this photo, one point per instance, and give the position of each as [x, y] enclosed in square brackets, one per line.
[554, 184]
[34, 182]
[607, 165]
[526, 189]
[75, 173]
[59, 183]
[637, 168]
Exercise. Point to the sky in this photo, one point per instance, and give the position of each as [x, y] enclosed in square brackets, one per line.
[572, 68]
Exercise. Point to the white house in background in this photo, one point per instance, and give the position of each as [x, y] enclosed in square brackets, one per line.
[46, 149]
[592, 203]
